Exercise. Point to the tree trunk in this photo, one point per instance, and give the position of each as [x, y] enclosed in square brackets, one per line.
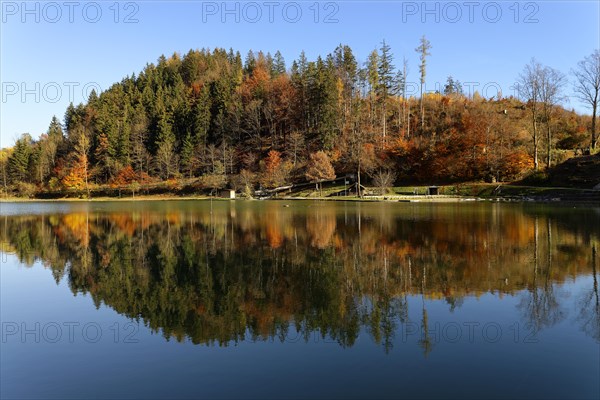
[422, 112]
[549, 144]
[384, 111]
[594, 139]
[358, 192]
[404, 116]
[87, 187]
[408, 122]
[535, 144]
[400, 115]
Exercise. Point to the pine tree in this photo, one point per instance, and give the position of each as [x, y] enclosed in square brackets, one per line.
[372, 71]
[165, 153]
[18, 162]
[423, 51]
[278, 64]
[55, 128]
[187, 155]
[386, 81]
[452, 87]
[201, 116]
[250, 62]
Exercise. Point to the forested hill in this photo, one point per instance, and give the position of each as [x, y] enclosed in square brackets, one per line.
[212, 118]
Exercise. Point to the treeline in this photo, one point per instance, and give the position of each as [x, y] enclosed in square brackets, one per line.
[213, 119]
[191, 274]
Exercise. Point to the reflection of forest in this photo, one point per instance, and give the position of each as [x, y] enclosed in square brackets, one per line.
[221, 275]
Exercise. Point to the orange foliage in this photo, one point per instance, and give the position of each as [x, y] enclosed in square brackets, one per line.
[273, 161]
[127, 176]
[76, 177]
[320, 228]
[125, 223]
[74, 228]
[274, 170]
[274, 236]
[516, 162]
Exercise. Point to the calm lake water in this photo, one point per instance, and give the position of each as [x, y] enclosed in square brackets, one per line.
[316, 299]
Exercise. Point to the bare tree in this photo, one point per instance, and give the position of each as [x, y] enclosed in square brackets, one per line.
[587, 86]
[551, 84]
[384, 179]
[423, 51]
[401, 92]
[166, 159]
[529, 91]
[296, 143]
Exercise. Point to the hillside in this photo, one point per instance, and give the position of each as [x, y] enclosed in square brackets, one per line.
[210, 118]
[579, 172]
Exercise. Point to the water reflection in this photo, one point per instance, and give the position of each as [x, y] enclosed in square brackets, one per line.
[223, 272]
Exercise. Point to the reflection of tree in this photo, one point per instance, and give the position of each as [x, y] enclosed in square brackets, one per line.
[425, 341]
[539, 303]
[235, 273]
[320, 227]
[589, 304]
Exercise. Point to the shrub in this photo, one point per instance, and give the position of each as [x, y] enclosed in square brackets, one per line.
[24, 189]
[535, 178]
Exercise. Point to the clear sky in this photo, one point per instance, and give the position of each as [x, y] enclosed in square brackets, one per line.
[55, 52]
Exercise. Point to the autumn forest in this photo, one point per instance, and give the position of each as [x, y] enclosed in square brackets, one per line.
[211, 119]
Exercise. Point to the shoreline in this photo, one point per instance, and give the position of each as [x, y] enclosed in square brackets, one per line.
[475, 192]
[372, 199]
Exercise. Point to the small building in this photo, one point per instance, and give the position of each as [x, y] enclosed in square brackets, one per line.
[228, 194]
[433, 190]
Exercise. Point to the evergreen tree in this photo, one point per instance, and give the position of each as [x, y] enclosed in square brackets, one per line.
[187, 155]
[278, 64]
[250, 62]
[165, 153]
[423, 51]
[201, 116]
[372, 71]
[19, 160]
[386, 81]
[452, 87]
[55, 128]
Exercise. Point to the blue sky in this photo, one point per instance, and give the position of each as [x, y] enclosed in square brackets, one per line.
[55, 52]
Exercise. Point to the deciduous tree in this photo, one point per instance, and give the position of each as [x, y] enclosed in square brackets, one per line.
[529, 87]
[587, 86]
[319, 169]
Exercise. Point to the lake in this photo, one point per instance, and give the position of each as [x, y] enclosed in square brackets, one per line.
[267, 299]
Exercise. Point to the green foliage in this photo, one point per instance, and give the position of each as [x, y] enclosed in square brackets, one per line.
[385, 70]
[19, 160]
[452, 87]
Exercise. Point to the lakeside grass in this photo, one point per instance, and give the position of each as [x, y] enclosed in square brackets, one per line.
[477, 190]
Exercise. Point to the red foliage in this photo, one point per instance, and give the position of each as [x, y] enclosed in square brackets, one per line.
[127, 176]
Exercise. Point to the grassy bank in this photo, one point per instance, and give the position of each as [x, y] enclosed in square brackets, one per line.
[461, 192]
